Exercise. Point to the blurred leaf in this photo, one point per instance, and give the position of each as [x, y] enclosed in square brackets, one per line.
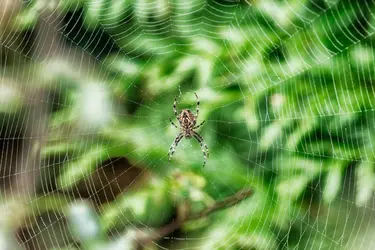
[240, 232]
[304, 127]
[272, 133]
[52, 202]
[76, 170]
[261, 240]
[70, 5]
[365, 179]
[333, 181]
[150, 205]
[196, 225]
[26, 19]
[57, 149]
[294, 187]
[342, 121]
[123, 66]
[94, 13]
[290, 164]
[117, 12]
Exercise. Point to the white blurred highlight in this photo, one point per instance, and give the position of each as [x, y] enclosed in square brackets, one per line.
[95, 107]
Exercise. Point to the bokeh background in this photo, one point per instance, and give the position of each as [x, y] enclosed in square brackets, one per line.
[287, 92]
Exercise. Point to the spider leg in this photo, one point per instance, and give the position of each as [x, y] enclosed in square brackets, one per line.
[172, 123]
[204, 146]
[174, 106]
[197, 103]
[173, 147]
[199, 125]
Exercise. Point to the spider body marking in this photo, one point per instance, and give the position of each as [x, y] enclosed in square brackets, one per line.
[187, 121]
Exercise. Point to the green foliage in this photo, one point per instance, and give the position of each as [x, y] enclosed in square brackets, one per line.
[151, 205]
[285, 88]
[333, 182]
[365, 183]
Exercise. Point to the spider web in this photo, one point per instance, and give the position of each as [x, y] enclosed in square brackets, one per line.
[285, 89]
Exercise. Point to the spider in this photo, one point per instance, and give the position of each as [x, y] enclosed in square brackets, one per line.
[187, 121]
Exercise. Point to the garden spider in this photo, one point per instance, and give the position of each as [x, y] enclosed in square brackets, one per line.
[187, 121]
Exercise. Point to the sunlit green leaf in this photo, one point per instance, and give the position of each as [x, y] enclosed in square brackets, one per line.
[333, 182]
[365, 179]
[82, 167]
[150, 205]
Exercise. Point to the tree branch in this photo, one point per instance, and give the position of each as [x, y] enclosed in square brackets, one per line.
[183, 217]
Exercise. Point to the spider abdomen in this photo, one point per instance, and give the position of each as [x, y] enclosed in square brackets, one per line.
[187, 118]
[187, 122]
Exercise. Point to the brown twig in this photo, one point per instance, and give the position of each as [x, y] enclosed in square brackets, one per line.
[183, 218]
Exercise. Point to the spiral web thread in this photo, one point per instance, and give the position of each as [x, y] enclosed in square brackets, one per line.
[270, 51]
